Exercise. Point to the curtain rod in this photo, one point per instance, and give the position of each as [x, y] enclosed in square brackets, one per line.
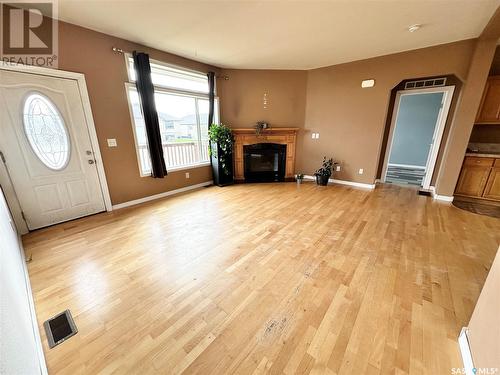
[118, 50]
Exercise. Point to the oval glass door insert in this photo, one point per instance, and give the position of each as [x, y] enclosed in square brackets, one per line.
[47, 135]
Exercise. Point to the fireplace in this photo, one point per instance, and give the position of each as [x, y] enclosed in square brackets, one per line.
[264, 162]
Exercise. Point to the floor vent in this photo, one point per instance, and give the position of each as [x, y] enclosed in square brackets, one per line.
[427, 193]
[60, 328]
[434, 82]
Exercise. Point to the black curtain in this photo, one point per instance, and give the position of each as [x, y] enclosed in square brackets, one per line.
[211, 97]
[146, 92]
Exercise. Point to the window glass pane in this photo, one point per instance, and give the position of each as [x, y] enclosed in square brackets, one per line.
[183, 124]
[179, 129]
[203, 109]
[44, 127]
[140, 131]
[170, 77]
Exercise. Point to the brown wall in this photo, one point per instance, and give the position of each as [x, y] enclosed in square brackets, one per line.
[242, 97]
[350, 119]
[89, 52]
[465, 115]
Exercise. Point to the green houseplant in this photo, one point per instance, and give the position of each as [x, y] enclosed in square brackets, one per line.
[324, 173]
[221, 153]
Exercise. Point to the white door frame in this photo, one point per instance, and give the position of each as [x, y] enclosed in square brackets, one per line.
[438, 131]
[82, 87]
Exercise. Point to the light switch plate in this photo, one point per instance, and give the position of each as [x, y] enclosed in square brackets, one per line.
[112, 142]
[337, 168]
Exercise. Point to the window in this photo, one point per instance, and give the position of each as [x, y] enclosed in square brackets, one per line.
[181, 98]
[45, 130]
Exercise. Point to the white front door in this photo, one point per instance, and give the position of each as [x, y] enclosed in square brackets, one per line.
[46, 147]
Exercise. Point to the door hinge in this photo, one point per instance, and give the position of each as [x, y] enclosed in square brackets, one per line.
[23, 215]
[2, 156]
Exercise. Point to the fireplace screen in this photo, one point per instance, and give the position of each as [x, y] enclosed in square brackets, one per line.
[264, 162]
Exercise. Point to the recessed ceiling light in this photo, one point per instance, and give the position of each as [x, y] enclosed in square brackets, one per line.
[414, 28]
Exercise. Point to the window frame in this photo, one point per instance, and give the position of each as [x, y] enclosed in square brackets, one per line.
[196, 95]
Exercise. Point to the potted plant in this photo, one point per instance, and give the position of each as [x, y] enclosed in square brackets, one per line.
[221, 153]
[324, 173]
[300, 178]
[260, 126]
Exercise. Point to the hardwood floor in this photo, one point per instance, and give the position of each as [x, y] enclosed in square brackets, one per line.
[265, 278]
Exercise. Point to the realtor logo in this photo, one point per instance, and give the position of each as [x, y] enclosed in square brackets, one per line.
[29, 33]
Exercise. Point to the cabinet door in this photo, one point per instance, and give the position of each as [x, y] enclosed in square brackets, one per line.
[492, 190]
[472, 180]
[489, 111]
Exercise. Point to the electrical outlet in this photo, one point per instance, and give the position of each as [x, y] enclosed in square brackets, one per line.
[112, 142]
[361, 170]
[337, 168]
[187, 174]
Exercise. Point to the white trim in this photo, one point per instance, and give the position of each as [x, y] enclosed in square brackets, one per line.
[443, 198]
[438, 131]
[463, 343]
[82, 87]
[343, 182]
[438, 134]
[188, 167]
[161, 195]
[34, 321]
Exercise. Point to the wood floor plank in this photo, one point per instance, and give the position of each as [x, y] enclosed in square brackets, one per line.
[264, 279]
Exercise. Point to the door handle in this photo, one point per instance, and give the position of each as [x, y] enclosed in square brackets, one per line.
[91, 161]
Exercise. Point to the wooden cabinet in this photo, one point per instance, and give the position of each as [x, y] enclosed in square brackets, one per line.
[479, 178]
[489, 110]
[472, 181]
[492, 190]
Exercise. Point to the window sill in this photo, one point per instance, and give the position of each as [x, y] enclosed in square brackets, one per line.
[183, 168]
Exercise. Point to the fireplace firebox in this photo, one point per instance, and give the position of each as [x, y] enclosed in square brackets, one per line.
[264, 162]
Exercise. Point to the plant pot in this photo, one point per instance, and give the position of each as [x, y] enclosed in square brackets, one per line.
[221, 178]
[322, 180]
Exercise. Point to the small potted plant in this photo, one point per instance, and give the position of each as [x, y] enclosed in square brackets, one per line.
[324, 173]
[260, 126]
[300, 178]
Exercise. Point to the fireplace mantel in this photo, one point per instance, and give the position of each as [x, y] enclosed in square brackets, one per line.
[247, 136]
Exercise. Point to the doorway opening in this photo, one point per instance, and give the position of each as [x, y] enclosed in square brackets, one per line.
[415, 135]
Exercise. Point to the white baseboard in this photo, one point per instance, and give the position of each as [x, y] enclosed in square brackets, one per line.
[443, 198]
[463, 343]
[344, 182]
[161, 195]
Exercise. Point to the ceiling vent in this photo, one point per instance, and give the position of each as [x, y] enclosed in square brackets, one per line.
[434, 82]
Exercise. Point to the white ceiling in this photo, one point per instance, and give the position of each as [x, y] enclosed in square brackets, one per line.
[282, 34]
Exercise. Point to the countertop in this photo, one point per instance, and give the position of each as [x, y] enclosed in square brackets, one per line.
[483, 155]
